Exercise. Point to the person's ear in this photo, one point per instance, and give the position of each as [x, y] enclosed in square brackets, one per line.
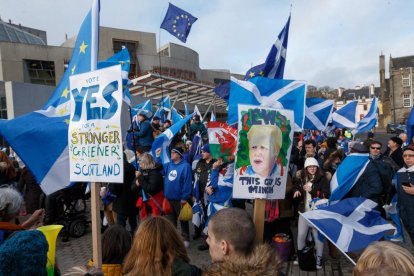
[224, 247]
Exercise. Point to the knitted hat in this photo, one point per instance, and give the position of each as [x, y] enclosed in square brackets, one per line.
[178, 150]
[24, 253]
[310, 161]
[206, 148]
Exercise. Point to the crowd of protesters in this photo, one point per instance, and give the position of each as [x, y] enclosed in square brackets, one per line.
[140, 216]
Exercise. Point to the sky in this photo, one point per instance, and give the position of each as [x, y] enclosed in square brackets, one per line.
[333, 43]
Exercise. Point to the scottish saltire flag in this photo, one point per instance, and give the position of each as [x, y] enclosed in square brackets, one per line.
[392, 211]
[212, 117]
[345, 116]
[195, 149]
[276, 93]
[370, 120]
[410, 125]
[347, 174]
[163, 108]
[178, 22]
[352, 224]
[198, 212]
[196, 111]
[123, 58]
[274, 66]
[145, 106]
[163, 140]
[186, 109]
[40, 138]
[175, 115]
[317, 113]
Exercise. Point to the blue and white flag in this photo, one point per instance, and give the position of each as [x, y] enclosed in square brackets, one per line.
[123, 58]
[186, 109]
[40, 138]
[370, 120]
[175, 115]
[196, 111]
[195, 149]
[318, 112]
[410, 125]
[163, 140]
[352, 224]
[345, 116]
[163, 108]
[198, 212]
[347, 174]
[212, 117]
[392, 211]
[275, 93]
[178, 22]
[145, 106]
[274, 65]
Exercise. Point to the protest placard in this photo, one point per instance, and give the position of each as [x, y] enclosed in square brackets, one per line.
[94, 140]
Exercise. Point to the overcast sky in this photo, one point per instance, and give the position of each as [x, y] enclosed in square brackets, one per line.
[331, 42]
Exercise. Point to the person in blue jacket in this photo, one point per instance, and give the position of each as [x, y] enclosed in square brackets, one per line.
[144, 135]
[178, 188]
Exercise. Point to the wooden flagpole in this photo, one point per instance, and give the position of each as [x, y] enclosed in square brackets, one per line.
[258, 218]
[96, 225]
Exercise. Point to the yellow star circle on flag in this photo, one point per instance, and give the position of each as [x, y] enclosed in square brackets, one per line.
[73, 69]
[251, 74]
[65, 92]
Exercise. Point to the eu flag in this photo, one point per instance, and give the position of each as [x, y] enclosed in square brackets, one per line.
[178, 22]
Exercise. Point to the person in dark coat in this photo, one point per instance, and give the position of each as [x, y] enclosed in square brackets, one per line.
[126, 198]
[31, 190]
[395, 151]
[197, 126]
[406, 193]
[144, 134]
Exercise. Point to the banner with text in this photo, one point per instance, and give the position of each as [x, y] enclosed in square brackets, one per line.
[263, 152]
[95, 146]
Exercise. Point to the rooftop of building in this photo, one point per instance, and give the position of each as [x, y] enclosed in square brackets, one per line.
[10, 33]
[402, 62]
[363, 92]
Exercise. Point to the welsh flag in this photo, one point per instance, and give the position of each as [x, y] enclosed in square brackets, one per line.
[222, 139]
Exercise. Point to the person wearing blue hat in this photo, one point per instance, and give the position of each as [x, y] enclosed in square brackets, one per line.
[144, 134]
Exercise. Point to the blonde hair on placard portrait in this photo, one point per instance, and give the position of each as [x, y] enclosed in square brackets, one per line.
[265, 135]
[385, 254]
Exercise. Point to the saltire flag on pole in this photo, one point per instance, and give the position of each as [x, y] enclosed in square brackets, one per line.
[145, 106]
[275, 93]
[195, 149]
[222, 140]
[274, 66]
[392, 211]
[163, 140]
[175, 115]
[123, 58]
[352, 224]
[347, 174]
[40, 138]
[345, 116]
[198, 212]
[163, 108]
[370, 120]
[178, 22]
[196, 111]
[186, 109]
[317, 113]
[212, 117]
[410, 125]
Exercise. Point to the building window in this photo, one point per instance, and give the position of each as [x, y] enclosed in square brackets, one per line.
[3, 108]
[41, 72]
[407, 100]
[406, 81]
[132, 47]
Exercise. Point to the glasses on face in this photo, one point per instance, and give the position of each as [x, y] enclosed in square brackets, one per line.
[375, 148]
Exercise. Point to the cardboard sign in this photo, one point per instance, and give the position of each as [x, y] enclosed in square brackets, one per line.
[95, 141]
[263, 151]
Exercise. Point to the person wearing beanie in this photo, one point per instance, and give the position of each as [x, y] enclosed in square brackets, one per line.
[177, 187]
[24, 253]
[144, 134]
[395, 151]
[311, 185]
[405, 193]
[265, 142]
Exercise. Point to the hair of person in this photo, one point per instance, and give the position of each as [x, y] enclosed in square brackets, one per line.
[10, 203]
[146, 161]
[9, 169]
[385, 254]
[331, 142]
[155, 246]
[235, 226]
[83, 270]
[116, 242]
[375, 142]
[310, 142]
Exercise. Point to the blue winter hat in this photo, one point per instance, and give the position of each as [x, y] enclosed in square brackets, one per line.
[24, 253]
[178, 150]
[206, 148]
